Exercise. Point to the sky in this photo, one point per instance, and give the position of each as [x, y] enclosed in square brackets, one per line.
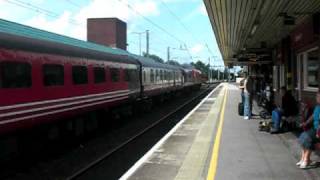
[182, 25]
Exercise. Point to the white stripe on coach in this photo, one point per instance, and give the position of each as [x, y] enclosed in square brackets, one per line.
[58, 100]
[58, 111]
[61, 105]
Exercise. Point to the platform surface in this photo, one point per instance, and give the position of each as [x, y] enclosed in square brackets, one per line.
[186, 153]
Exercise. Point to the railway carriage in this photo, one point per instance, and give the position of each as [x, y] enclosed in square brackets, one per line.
[158, 78]
[192, 77]
[51, 77]
[45, 77]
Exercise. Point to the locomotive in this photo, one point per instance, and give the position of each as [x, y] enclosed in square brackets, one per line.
[45, 77]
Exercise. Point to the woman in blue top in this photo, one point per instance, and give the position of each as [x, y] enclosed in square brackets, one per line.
[309, 138]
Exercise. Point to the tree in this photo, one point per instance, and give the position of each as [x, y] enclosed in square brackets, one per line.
[154, 57]
[201, 66]
[172, 62]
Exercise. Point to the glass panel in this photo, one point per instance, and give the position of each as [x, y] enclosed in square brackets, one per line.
[53, 75]
[127, 74]
[15, 75]
[151, 75]
[115, 74]
[99, 75]
[79, 74]
[312, 68]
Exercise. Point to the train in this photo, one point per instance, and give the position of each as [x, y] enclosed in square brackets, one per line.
[46, 77]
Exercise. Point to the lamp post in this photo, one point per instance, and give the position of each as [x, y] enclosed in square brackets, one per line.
[147, 40]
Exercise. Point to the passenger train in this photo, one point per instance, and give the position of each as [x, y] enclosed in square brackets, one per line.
[46, 77]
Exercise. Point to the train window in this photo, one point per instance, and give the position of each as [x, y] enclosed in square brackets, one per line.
[53, 74]
[157, 75]
[144, 76]
[15, 75]
[133, 75]
[127, 74]
[115, 74]
[161, 75]
[79, 74]
[151, 75]
[99, 75]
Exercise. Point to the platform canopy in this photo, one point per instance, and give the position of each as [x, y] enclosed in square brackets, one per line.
[247, 30]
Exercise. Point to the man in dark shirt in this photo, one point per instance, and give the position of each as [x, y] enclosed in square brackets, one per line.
[288, 108]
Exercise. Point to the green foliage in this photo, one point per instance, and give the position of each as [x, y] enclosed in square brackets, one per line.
[154, 57]
[172, 62]
[201, 66]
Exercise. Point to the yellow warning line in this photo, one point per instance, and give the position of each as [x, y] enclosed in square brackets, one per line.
[215, 152]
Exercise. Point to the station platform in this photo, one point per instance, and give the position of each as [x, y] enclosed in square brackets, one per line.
[214, 142]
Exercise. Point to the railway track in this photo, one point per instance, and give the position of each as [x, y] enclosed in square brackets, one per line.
[95, 169]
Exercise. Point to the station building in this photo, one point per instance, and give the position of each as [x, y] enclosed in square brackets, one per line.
[277, 40]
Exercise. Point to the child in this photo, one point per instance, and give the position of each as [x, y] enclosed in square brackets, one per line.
[309, 138]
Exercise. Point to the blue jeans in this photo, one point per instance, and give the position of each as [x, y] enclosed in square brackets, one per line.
[242, 97]
[276, 118]
[247, 105]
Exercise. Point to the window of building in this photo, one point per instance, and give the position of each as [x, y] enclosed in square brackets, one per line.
[311, 67]
[53, 74]
[115, 74]
[15, 75]
[79, 74]
[99, 75]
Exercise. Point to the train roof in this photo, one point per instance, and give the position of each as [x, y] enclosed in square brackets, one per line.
[18, 36]
[148, 62]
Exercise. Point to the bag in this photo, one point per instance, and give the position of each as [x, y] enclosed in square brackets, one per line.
[265, 125]
[240, 109]
[318, 133]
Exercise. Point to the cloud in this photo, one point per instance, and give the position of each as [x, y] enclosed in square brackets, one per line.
[203, 10]
[147, 7]
[95, 9]
[59, 25]
[197, 48]
[102, 8]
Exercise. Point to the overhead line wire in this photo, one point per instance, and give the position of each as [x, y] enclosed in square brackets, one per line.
[40, 10]
[151, 22]
[184, 26]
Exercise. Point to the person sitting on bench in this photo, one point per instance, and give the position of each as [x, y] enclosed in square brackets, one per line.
[288, 108]
[309, 139]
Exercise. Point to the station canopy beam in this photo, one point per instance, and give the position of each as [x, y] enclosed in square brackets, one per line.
[247, 30]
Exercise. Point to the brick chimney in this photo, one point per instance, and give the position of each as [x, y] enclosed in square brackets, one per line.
[107, 31]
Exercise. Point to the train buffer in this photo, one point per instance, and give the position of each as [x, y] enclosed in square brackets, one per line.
[214, 142]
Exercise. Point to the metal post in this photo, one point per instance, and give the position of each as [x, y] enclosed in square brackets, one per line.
[168, 53]
[228, 74]
[140, 44]
[147, 50]
[140, 48]
[223, 73]
[209, 72]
